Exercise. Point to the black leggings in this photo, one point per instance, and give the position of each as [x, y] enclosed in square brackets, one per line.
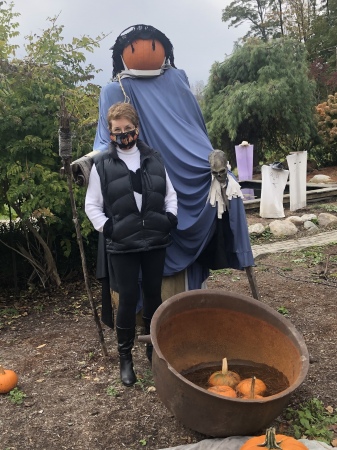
[126, 267]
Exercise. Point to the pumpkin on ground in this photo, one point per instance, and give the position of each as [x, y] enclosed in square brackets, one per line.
[144, 54]
[244, 388]
[224, 377]
[226, 391]
[271, 440]
[8, 380]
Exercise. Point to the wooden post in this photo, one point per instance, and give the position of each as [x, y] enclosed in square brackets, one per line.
[252, 282]
[65, 150]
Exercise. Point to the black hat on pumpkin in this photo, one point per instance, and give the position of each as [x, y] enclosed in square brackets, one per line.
[130, 35]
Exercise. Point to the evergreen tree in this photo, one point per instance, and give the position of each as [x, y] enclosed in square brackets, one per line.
[262, 94]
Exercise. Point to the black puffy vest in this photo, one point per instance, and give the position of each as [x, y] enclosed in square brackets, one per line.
[134, 230]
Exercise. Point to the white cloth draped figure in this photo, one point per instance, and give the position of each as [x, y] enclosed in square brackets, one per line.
[297, 163]
[273, 184]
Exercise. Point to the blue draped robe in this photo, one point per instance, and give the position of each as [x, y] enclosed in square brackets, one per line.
[172, 123]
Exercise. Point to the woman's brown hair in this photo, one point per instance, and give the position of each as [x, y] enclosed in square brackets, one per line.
[123, 110]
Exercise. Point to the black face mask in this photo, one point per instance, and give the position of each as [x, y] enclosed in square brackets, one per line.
[125, 140]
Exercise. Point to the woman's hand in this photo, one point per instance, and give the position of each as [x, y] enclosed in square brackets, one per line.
[108, 229]
[173, 219]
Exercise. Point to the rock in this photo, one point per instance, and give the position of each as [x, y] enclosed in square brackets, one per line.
[306, 217]
[282, 228]
[325, 219]
[320, 179]
[256, 228]
[296, 220]
[310, 226]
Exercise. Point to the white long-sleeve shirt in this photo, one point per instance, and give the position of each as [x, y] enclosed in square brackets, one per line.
[94, 204]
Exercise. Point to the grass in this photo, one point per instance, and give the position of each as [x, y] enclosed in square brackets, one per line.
[145, 381]
[312, 256]
[112, 391]
[7, 315]
[328, 207]
[312, 420]
[222, 272]
[17, 396]
[9, 312]
[283, 310]
[266, 236]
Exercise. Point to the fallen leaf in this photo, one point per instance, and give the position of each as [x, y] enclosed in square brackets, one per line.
[334, 443]
[329, 409]
[42, 345]
[40, 380]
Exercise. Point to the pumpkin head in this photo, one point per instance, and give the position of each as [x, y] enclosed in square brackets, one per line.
[273, 441]
[226, 391]
[246, 386]
[144, 54]
[142, 47]
[224, 377]
[8, 380]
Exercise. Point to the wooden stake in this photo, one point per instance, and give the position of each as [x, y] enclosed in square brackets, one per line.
[252, 282]
[65, 153]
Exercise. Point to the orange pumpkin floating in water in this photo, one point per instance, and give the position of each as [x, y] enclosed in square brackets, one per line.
[252, 394]
[226, 391]
[144, 54]
[249, 397]
[244, 388]
[224, 377]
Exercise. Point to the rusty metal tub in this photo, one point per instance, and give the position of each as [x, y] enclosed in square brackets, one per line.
[201, 326]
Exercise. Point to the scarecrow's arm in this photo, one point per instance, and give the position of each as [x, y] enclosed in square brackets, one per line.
[81, 168]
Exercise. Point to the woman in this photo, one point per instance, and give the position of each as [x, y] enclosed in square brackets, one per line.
[130, 198]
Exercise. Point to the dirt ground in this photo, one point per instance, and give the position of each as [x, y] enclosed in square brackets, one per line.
[73, 397]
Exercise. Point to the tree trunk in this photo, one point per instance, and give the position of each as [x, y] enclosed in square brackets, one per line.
[52, 271]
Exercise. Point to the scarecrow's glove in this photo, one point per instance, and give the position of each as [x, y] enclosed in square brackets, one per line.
[215, 197]
[233, 188]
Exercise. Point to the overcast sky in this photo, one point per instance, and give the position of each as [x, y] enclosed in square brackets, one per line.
[198, 35]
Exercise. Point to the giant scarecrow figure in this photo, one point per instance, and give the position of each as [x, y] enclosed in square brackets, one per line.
[171, 122]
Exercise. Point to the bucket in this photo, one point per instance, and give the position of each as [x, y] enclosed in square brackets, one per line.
[202, 326]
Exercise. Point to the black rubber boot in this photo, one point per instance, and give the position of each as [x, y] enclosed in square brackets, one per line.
[126, 339]
[149, 347]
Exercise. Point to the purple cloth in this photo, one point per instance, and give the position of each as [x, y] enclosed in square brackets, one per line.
[244, 161]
